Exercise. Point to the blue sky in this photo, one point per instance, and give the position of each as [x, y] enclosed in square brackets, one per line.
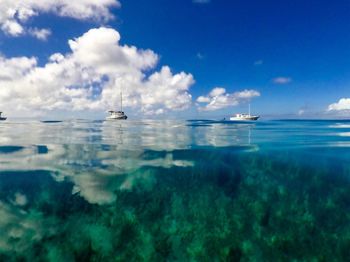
[294, 53]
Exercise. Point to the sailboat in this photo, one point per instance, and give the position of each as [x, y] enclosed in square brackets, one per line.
[117, 115]
[244, 117]
[2, 118]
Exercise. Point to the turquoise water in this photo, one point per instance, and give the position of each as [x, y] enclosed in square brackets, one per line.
[174, 191]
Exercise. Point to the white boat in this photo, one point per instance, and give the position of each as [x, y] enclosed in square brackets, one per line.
[2, 118]
[117, 115]
[244, 117]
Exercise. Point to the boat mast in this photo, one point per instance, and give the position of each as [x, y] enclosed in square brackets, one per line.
[249, 109]
[121, 100]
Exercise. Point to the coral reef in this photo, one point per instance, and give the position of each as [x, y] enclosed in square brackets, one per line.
[229, 205]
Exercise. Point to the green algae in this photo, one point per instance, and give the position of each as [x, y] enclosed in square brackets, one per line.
[227, 207]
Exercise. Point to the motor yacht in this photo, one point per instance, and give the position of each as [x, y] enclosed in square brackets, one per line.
[244, 117]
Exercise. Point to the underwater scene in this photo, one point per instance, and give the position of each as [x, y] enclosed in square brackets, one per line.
[175, 190]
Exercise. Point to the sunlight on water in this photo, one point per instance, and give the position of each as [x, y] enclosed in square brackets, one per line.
[174, 191]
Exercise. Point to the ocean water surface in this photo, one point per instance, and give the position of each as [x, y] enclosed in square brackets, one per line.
[174, 191]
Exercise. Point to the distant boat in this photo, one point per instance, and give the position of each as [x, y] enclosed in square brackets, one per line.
[117, 115]
[2, 118]
[244, 117]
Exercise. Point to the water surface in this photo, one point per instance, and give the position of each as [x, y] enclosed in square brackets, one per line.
[174, 191]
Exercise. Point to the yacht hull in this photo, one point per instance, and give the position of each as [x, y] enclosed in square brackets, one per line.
[250, 118]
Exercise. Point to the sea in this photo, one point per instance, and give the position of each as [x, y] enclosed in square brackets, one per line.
[197, 190]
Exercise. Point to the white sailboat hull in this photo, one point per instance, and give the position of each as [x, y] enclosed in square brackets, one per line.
[116, 117]
[2, 118]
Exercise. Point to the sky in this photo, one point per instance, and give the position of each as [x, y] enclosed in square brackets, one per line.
[175, 59]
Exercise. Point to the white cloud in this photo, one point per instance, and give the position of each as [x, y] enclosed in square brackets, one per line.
[341, 105]
[165, 91]
[282, 80]
[41, 34]
[12, 27]
[203, 99]
[91, 76]
[218, 91]
[14, 14]
[14, 68]
[218, 98]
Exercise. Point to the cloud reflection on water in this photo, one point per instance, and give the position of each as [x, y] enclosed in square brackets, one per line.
[101, 157]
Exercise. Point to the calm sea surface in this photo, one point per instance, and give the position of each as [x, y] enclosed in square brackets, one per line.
[174, 191]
